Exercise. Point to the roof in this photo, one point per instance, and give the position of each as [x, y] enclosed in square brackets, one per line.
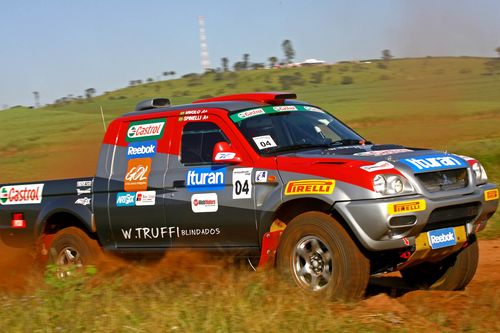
[230, 103]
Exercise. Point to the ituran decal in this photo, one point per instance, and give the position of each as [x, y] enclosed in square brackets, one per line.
[21, 194]
[382, 165]
[205, 179]
[145, 130]
[83, 201]
[204, 203]
[434, 162]
[142, 149]
[242, 183]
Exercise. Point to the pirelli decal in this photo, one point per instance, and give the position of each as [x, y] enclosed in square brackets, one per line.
[406, 207]
[491, 194]
[310, 186]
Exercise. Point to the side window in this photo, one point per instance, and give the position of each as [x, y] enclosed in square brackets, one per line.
[198, 141]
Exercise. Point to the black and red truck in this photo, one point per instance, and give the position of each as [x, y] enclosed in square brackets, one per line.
[266, 177]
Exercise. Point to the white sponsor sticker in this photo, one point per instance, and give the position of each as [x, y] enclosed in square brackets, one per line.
[145, 198]
[312, 108]
[83, 183]
[250, 113]
[83, 201]
[224, 156]
[21, 194]
[382, 165]
[242, 183]
[261, 176]
[145, 130]
[264, 141]
[84, 191]
[285, 108]
[204, 202]
[383, 152]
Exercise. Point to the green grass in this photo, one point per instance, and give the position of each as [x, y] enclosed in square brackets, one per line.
[450, 104]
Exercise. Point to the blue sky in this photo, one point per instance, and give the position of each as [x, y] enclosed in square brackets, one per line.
[62, 47]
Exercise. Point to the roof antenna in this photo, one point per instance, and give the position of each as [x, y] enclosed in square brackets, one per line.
[102, 117]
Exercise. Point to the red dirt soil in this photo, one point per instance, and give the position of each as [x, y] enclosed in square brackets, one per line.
[389, 302]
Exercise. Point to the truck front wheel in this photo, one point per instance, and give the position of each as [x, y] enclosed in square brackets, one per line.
[320, 256]
[71, 250]
[452, 273]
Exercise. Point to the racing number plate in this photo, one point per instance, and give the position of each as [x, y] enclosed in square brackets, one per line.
[442, 238]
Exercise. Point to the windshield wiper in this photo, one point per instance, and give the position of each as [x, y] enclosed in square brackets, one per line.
[298, 147]
[342, 142]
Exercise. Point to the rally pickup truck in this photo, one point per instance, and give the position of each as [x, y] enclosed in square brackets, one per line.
[265, 177]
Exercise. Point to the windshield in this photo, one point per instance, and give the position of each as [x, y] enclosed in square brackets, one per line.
[292, 127]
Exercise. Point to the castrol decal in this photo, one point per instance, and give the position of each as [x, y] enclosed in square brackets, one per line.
[145, 130]
[21, 194]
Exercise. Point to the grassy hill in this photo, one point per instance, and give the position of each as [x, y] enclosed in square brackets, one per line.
[449, 104]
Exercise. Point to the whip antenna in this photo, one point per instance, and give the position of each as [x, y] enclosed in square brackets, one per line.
[102, 116]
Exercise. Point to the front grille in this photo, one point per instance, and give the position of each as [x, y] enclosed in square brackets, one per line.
[446, 180]
[452, 216]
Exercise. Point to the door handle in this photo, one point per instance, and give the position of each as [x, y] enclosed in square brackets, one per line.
[180, 183]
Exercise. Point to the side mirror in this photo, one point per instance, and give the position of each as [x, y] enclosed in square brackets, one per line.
[224, 153]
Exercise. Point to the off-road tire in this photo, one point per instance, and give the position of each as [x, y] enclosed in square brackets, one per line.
[302, 254]
[73, 243]
[452, 273]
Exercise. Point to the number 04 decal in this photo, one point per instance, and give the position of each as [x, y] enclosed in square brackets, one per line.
[242, 183]
[264, 141]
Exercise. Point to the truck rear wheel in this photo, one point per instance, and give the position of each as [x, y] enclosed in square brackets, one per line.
[452, 273]
[320, 256]
[71, 250]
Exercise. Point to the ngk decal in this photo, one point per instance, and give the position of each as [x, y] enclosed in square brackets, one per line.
[21, 194]
[145, 130]
[137, 175]
[204, 203]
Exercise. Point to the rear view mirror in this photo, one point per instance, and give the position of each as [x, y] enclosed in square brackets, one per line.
[224, 153]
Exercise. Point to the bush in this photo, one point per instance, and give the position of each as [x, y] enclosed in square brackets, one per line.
[347, 80]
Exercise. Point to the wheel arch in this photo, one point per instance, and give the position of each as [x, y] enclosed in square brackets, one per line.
[290, 209]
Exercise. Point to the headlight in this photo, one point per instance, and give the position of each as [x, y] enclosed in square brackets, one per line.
[480, 173]
[391, 184]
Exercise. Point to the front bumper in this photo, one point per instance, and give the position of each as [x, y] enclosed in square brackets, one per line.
[395, 223]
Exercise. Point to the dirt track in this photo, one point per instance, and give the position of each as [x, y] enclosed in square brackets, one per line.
[389, 302]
